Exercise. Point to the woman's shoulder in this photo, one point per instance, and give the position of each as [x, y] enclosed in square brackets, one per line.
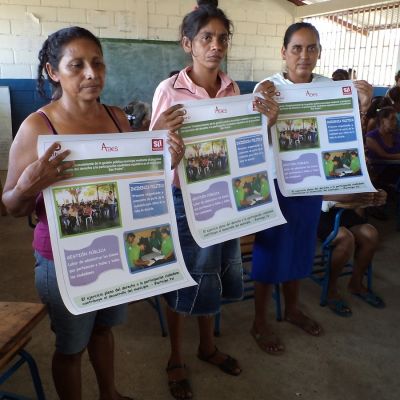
[277, 79]
[121, 117]
[115, 110]
[167, 84]
[35, 124]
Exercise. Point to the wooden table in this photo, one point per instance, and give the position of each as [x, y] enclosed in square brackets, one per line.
[17, 321]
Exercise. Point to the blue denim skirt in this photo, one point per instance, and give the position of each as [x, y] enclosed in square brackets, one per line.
[72, 331]
[217, 270]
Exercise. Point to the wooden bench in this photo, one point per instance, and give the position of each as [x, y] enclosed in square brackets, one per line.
[17, 321]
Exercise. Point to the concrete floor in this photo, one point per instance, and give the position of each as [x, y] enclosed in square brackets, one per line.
[357, 358]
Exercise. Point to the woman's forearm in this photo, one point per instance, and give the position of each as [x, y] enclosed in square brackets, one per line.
[17, 204]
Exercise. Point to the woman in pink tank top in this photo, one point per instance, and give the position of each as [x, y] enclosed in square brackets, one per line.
[72, 59]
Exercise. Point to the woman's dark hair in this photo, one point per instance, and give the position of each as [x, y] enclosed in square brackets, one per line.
[292, 29]
[377, 103]
[340, 75]
[383, 113]
[397, 76]
[200, 16]
[52, 51]
[394, 95]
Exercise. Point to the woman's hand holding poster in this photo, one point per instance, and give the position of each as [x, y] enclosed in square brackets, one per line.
[317, 140]
[112, 225]
[225, 173]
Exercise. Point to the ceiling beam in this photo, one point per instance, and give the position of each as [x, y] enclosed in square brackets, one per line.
[348, 25]
[297, 2]
[334, 6]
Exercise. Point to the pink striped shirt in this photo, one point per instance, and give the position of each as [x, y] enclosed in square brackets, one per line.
[180, 88]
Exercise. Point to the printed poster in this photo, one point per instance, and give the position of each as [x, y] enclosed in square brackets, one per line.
[112, 226]
[317, 140]
[225, 176]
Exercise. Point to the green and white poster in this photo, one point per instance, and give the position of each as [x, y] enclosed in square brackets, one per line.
[112, 225]
[317, 140]
[225, 174]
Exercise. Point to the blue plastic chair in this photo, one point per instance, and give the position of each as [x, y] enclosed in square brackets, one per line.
[156, 305]
[322, 263]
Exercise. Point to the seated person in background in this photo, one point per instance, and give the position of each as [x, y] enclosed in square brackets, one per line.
[368, 120]
[352, 74]
[393, 98]
[356, 239]
[167, 248]
[397, 78]
[139, 115]
[384, 141]
[340, 75]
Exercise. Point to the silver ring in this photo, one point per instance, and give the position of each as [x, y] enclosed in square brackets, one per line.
[58, 170]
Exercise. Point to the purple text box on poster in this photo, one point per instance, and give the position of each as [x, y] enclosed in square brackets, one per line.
[85, 265]
[148, 199]
[250, 150]
[341, 129]
[207, 203]
[297, 170]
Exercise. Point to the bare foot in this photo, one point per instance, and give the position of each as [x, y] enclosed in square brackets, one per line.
[301, 320]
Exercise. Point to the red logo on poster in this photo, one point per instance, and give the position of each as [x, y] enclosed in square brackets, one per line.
[157, 144]
[346, 90]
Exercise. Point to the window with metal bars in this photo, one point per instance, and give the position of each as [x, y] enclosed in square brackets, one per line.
[365, 40]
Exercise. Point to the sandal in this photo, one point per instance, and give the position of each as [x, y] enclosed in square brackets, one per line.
[371, 298]
[229, 365]
[179, 389]
[305, 323]
[339, 307]
[268, 342]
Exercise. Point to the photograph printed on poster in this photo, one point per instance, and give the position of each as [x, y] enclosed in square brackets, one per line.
[341, 163]
[251, 190]
[149, 248]
[206, 160]
[297, 134]
[83, 209]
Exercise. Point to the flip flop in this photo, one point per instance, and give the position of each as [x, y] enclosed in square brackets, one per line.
[179, 389]
[269, 343]
[229, 365]
[371, 298]
[339, 307]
